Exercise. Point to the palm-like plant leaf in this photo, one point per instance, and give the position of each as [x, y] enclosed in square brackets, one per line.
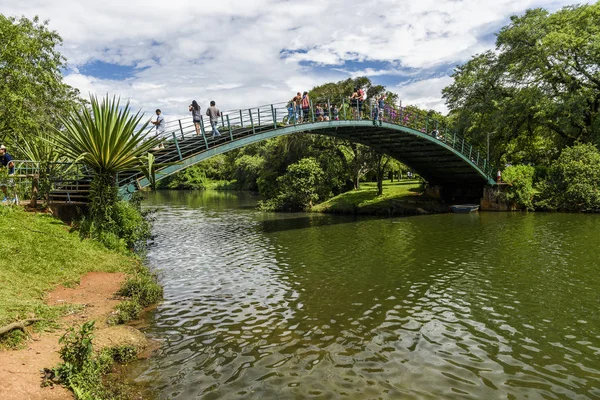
[105, 136]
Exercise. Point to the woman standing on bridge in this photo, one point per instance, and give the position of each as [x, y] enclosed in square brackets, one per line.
[196, 116]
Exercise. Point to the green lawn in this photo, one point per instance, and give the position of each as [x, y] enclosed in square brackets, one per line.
[38, 253]
[403, 194]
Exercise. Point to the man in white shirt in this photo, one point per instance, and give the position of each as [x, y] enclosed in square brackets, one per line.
[160, 125]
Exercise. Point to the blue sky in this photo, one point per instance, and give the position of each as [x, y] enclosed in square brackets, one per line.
[161, 54]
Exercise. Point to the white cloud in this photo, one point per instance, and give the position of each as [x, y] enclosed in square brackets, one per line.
[243, 53]
[425, 93]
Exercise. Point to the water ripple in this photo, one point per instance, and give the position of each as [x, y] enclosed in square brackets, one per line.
[299, 306]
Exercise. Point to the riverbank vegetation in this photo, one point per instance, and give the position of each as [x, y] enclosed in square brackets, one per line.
[40, 253]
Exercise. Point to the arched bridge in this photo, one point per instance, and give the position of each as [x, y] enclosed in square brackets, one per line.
[422, 143]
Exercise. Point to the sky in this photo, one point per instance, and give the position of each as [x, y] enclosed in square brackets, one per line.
[246, 53]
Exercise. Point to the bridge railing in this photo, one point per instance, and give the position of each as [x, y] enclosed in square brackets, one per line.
[235, 124]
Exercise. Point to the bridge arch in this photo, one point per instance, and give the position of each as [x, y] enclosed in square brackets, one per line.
[442, 159]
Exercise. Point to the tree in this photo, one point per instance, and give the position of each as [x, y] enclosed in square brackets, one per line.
[108, 139]
[31, 87]
[573, 182]
[539, 92]
[298, 185]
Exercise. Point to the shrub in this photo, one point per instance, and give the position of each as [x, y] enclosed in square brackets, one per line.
[127, 310]
[573, 182]
[76, 350]
[520, 179]
[86, 373]
[298, 187]
[143, 288]
[127, 229]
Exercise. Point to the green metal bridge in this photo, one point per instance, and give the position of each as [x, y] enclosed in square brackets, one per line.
[422, 143]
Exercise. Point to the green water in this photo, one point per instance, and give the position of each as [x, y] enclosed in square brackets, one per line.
[294, 306]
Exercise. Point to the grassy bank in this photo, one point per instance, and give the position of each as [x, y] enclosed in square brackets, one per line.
[39, 253]
[398, 198]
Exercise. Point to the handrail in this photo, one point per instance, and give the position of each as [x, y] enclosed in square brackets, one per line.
[235, 124]
[274, 115]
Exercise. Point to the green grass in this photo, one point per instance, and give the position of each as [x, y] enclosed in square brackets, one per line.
[38, 253]
[396, 195]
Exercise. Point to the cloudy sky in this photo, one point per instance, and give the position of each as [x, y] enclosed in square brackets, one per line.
[253, 52]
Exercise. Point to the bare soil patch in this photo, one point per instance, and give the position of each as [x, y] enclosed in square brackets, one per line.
[20, 369]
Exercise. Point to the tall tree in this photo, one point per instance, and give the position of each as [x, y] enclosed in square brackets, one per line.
[540, 90]
[31, 84]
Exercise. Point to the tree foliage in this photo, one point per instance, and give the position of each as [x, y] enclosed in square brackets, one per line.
[540, 90]
[573, 182]
[520, 179]
[31, 86]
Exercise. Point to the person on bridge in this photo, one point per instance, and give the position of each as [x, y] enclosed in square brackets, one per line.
[380, 107]
[305, 106]
[196, 115]
[335, 113]
[298, 103]
[319, 113]
[6, 161]
[291, 107]
[214, 114]
[160, 126]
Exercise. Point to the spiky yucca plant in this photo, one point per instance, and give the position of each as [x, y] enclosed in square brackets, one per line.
[109, 139]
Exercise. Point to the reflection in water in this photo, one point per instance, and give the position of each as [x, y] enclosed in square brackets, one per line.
[298, 305]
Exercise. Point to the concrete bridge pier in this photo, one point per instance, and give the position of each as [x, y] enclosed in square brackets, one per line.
[489, 198]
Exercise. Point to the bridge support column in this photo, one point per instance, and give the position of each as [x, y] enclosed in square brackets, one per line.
[494, 199]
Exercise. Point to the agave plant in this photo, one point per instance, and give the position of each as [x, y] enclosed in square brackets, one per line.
[108, 139]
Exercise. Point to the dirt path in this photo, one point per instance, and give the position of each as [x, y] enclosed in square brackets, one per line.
[20, 369]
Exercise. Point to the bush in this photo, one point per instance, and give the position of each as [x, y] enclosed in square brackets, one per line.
[520, 179]
[142, 290]
[573, 182]
[86, 373]
[298, 187]
[127, 310]
[127, 229]
[76, 350]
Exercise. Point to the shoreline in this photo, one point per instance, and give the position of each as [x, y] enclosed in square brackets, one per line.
[65, 282]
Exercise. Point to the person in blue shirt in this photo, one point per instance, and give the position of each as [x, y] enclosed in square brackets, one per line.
[6, 161]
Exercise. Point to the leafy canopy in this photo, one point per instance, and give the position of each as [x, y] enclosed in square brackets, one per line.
[31, 86]
[539, 92]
